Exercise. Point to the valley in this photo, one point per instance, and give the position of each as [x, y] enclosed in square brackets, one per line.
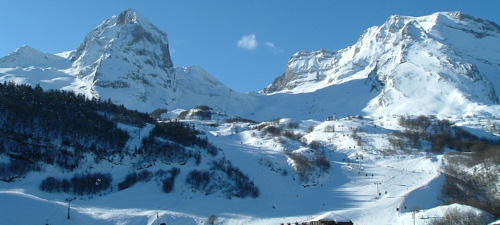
[400, 128]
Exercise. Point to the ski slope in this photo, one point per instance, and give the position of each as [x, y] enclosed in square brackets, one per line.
[347, 191]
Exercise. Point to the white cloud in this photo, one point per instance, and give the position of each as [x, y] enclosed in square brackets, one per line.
[248, 42]
[272, 46]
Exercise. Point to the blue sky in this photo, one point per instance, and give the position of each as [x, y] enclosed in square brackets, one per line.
[245, 44]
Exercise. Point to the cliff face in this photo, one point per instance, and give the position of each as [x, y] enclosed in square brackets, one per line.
[442, 62]
[127, 59]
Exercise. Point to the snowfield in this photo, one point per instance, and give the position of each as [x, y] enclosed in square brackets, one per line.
[305, 166]
[363, 184]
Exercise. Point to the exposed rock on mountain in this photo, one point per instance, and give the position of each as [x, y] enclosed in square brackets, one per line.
[128, 53]
[444, 62]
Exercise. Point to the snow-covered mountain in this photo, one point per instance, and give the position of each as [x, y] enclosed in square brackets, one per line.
[28, 65]
[374, 169]
[445, 63]
[125, 59]
[198, 87]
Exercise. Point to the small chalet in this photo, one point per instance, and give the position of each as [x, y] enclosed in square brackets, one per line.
[330, 219]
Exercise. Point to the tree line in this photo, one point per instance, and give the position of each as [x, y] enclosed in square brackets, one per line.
[440, 134]
[472, 173]
[224, 178]
[59, 128]
[79, 184]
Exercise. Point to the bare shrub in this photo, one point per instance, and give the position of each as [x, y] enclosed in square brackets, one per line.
[203, 114]
[356, 137]
[316, 145]
[322, 162]
[292, 135]
[305, 167]
[212, 219]
[273, 130]
[239, 119]
[203, 107]
[182, 115]
[157, 113]
[329, 128]
[396, 141]
[260, 126]
[455, 216]
[293, 125]
[275, 121]
[310, 129]
[478, 189]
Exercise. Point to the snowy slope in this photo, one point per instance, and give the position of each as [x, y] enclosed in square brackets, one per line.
[444, 63]
[27, 56]
[346, 191]
[29, 66]
[125, 58]
[198, 87]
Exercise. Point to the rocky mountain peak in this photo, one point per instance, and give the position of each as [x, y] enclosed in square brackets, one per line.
[127, 52]
[128, 16]
[126, 59]
[444, 63]
[129, 32]
[402, 58]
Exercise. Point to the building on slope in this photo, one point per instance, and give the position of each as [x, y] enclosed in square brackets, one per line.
[330, 219]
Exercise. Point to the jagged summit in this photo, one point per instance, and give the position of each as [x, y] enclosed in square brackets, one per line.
[446, 30]
[299, 67]
[125, 33]
[445, 63]
[127, 53]
[130, 16]
[448, 59]
[307, 139]
[125, 59]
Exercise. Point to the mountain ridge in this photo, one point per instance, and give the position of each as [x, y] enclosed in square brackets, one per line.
[385, 112]
[127, 52]
[405, 60]
[408, 55]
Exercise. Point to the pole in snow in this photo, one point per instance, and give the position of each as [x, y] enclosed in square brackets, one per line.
[377, 183]
[413, 216]
[69, 205]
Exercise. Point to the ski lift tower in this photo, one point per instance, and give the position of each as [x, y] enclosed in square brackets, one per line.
[377, 183]
[69, 205]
